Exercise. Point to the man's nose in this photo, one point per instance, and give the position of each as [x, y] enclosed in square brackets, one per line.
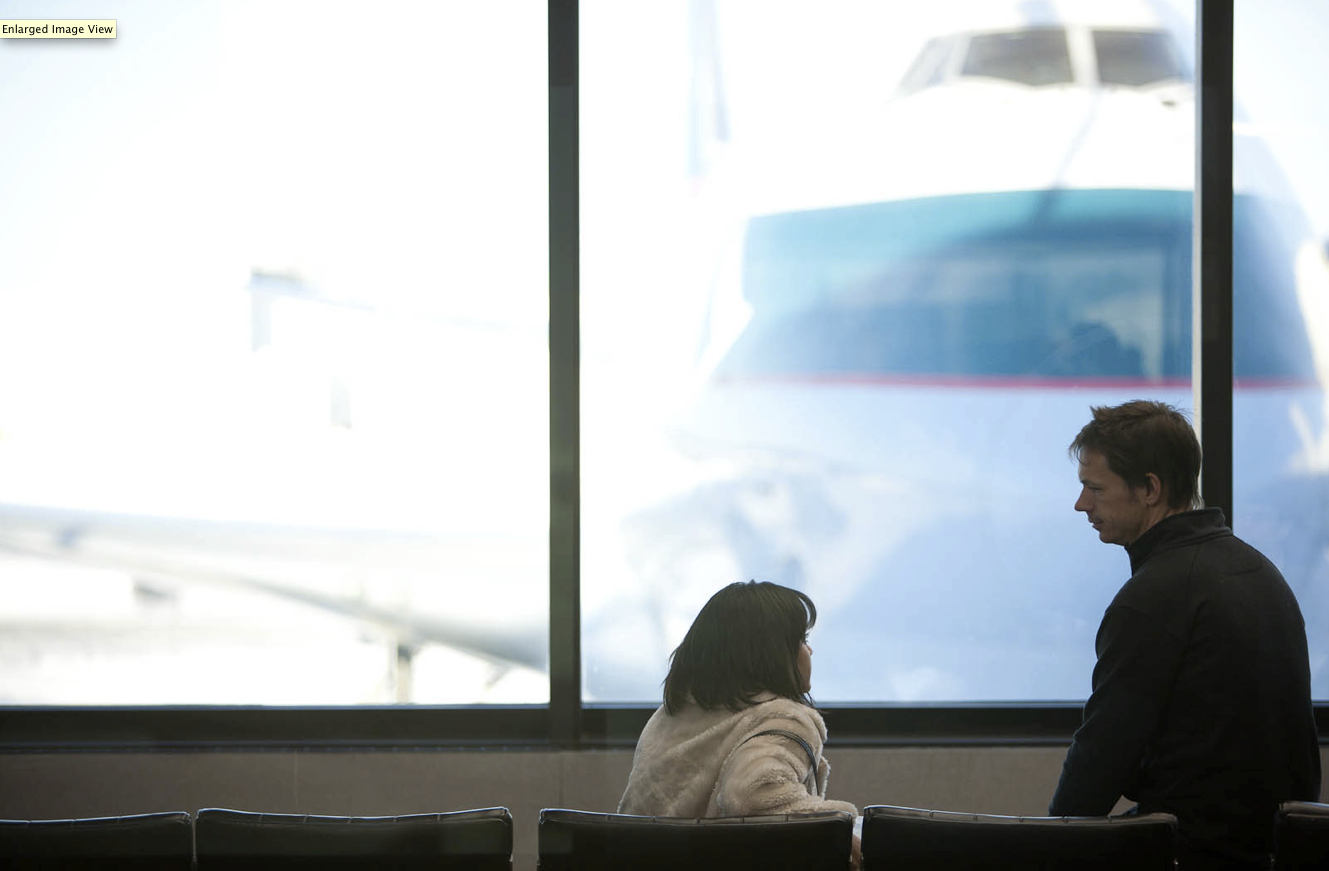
[1082, 503]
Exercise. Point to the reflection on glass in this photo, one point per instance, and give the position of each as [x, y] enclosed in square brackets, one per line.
[847, 349]
[273, 366]
[1281, 452]
[1024, 284]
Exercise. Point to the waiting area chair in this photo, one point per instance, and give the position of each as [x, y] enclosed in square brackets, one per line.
[1301, 836]
[470, 840]
[152, 842]
[904, 837]
[584, 841]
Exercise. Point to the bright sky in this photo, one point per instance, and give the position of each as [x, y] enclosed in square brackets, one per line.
[144, 177]
[275, 134]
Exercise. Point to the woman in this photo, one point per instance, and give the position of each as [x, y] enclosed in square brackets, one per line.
[737, 734]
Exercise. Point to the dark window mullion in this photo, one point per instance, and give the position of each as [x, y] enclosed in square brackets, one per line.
[564, 385]
[1212, 290]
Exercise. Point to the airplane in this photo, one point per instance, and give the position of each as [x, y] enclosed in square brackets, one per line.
[913, 320]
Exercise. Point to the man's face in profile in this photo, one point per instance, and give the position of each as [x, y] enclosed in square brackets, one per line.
[1115, 510]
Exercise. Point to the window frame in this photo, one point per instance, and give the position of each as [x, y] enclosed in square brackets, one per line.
[569, 723]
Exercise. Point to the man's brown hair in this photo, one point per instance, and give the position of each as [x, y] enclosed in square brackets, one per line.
[1144, 436]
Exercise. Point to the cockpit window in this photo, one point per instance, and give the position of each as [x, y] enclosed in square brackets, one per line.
[1136, 57]
[1035, 57]
[929, 68]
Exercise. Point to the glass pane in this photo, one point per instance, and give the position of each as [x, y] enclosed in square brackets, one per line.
[1030, 56]
[273, 356]
[1134, 58]
[838, 334]
[1281, 284]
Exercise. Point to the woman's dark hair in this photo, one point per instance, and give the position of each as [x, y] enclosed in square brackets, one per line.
[1143, 436]
[743, 643]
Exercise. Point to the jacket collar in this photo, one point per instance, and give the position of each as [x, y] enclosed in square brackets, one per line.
[1174, 530]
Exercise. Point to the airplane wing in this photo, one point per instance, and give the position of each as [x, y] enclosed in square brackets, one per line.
[309, 566]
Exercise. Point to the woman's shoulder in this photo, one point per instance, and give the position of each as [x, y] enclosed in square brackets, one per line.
[767, 711]
[780, 713]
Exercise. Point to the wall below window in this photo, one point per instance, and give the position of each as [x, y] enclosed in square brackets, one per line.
[1005, 780]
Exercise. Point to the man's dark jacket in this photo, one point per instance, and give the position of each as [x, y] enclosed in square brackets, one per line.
[1201, 695]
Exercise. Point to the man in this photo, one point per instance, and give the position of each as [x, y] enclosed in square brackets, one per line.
[1201, 695]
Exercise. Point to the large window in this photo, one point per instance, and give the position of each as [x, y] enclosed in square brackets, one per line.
[273, 366]
[295, 306]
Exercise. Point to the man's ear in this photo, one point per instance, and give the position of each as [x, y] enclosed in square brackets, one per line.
[1152, 491]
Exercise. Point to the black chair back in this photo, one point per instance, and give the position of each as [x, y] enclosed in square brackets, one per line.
[902, 837]
[470, 840]
[1301, 836]
[152, 842]
[584, 841]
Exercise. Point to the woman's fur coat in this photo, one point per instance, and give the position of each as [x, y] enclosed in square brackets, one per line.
[700, 763]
